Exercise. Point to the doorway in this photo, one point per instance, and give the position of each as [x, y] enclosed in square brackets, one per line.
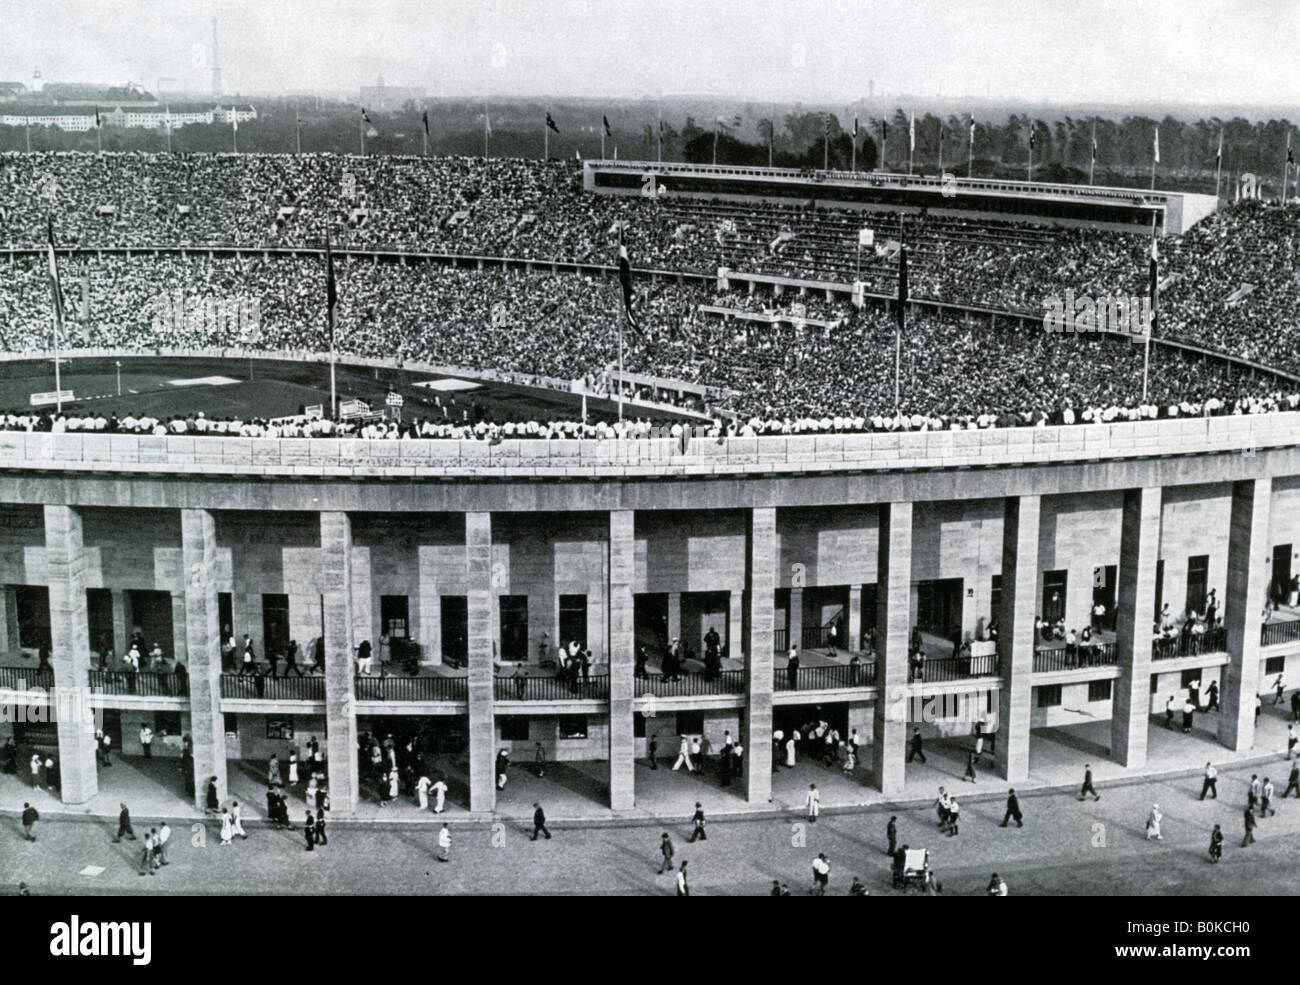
[33, 603]
[455, 630]
[650, 622]
[275, 624]
[1281, 573]
[1103, 591]
[573, 620]
[1054, 583]
[394, 616]
[151, 614]
[939, 606]
[99, 619]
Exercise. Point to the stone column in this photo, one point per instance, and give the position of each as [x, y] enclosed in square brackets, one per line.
[1139, 551]
[8, 620]
[363, 604]
[735, 624]
[482, 726]
[1016, 634]
[852, 639]
[65, 555]
[1249, 571]
[622, 659]
[430, 606]
[760, 592]
[675, 616]
[121, 621]
[340, 682]
[203, 646]
[893, 623]
[794, 618]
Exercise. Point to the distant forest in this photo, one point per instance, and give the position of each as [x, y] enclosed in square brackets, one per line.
[1062, 147]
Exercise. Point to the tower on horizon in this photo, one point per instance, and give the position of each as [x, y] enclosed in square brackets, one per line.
[216, 63]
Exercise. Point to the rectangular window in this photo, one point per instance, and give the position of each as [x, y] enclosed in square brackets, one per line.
[514, 728]
[573, 619]
[1275, 665]
[638, 725]
[1155, 683]
[995, 596]
[1099, 690]
[514, 627]
[231, 723]
[1198, 576]
[1049, 696]
[573, 726]
[1054, 584]
[166, 723]
[393, 616]
[690, 723]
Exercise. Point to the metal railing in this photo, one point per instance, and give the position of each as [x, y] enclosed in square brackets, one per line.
[813, 637]
[781, 640]
[429, 688]
[691, 685]
[832, 677]
[25, 678]
[1193, 645]
[594, 688]
[955, 669]
[310, 688]
[1073, 658]
[1279, 632]
[142, 683]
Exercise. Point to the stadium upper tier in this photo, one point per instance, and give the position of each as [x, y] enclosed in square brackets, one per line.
[1229, 285]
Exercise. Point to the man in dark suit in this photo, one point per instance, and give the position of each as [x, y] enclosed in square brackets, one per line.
[914, 750]
[539, 822]
[1087, 784]
[891, 832]
[698, 820]
[1013, 811]
[124, 829]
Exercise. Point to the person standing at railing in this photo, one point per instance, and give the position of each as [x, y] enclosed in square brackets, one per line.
[792, 667]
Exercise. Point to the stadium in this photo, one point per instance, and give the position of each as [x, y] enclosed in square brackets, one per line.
[809, 464]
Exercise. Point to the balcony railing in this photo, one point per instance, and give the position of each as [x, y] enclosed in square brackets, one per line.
[595, 688]
[781, 640]
[692, 685]
[814, 637]
[1193, 645]
[1070, 658]
[955, 669]
[142, 683]
[25, 678]
[428, 688]
[836, 676]
[311, 688]
[1279, 632]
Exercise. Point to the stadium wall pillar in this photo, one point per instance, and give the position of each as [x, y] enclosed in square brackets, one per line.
[735, 624]
[8, 619]
[340, 681]
[852, 639]
[674, 616]
[760, 592]
[1139, 550]
[69, 641]
[894, 577]
[430, 604]
[482, 726]
[1020, 526]
[121, 621]
[362, 603]
[203, 646]
[622, 638]
[1249, 571]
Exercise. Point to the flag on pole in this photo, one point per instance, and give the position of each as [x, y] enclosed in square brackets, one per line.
[1156, 146]
[625, 279]
[487, 121]
[234, 119]
[364, 115]
[972, 129]
[826, 126]
[605, 120]
[1218, 157]
[1033, 137]
[550, 123]
[884, 131]
[902, 283]
[331, 291]
[1153, 280]
[425, 119]
[97, 123]
[855, 126]
[56, 288]
[911, 134]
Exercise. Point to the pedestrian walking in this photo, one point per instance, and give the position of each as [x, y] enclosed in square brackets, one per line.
[1291, 738]
[791, 745]
[683, 888]
[684, 756]
[237, 820]
[36, 771]
[124, 829]
[666, 851]
[1265, 798]
[1169, 712]
[813, 802]
[319, 828]
[422, 792]
[915, 749]
[1153, 823]
[213, 802]
[1248, 817]
[1212, 697]
[308, 832]
[954, 816]
[1279, 689]
[539, 822]
[293, 767]
[821, 869]
[1252, 794]
[997, 886]
[970, 768]
[160, 843]
[439, 796]
[941, 808]
[444, 844]
[226, 830]
[891, 834]
[1216, 844]
[503, 763]
[1292, 781]
[697, 819]
[652, 751]
[1088, 788]
[30, 817]
[1210, 784]
[146, 854]
[1013, 811]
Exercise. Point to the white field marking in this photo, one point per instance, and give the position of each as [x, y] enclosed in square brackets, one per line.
[91, 870]
[448, 385]
[202, 381]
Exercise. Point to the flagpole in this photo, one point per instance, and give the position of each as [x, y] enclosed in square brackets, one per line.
[1092, 163]
[486, 130]
[27, 132]
[297, 131]
[1218, 165]
[715, 140]
[424, 131]
[602, 141]
[1284, 175]
[1151, 325]
[941, 150]
[169, 129]
[546, 142]
[970, 153]
[853, 157]
[621, 323]
[363, 135]
[58, 320]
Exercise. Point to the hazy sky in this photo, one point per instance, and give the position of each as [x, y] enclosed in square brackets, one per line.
[1171, 51]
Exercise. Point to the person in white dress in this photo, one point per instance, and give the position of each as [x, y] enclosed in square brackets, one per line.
[237, 820]
[293, 768]
[1153, 823]
[790, 747]
[226, 829]
[813, 802]
[392, 784]
[422, 792]
[439, 796]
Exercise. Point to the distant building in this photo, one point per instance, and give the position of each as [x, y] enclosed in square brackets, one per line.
[78, 119]
[12, 91]
[388, 98]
